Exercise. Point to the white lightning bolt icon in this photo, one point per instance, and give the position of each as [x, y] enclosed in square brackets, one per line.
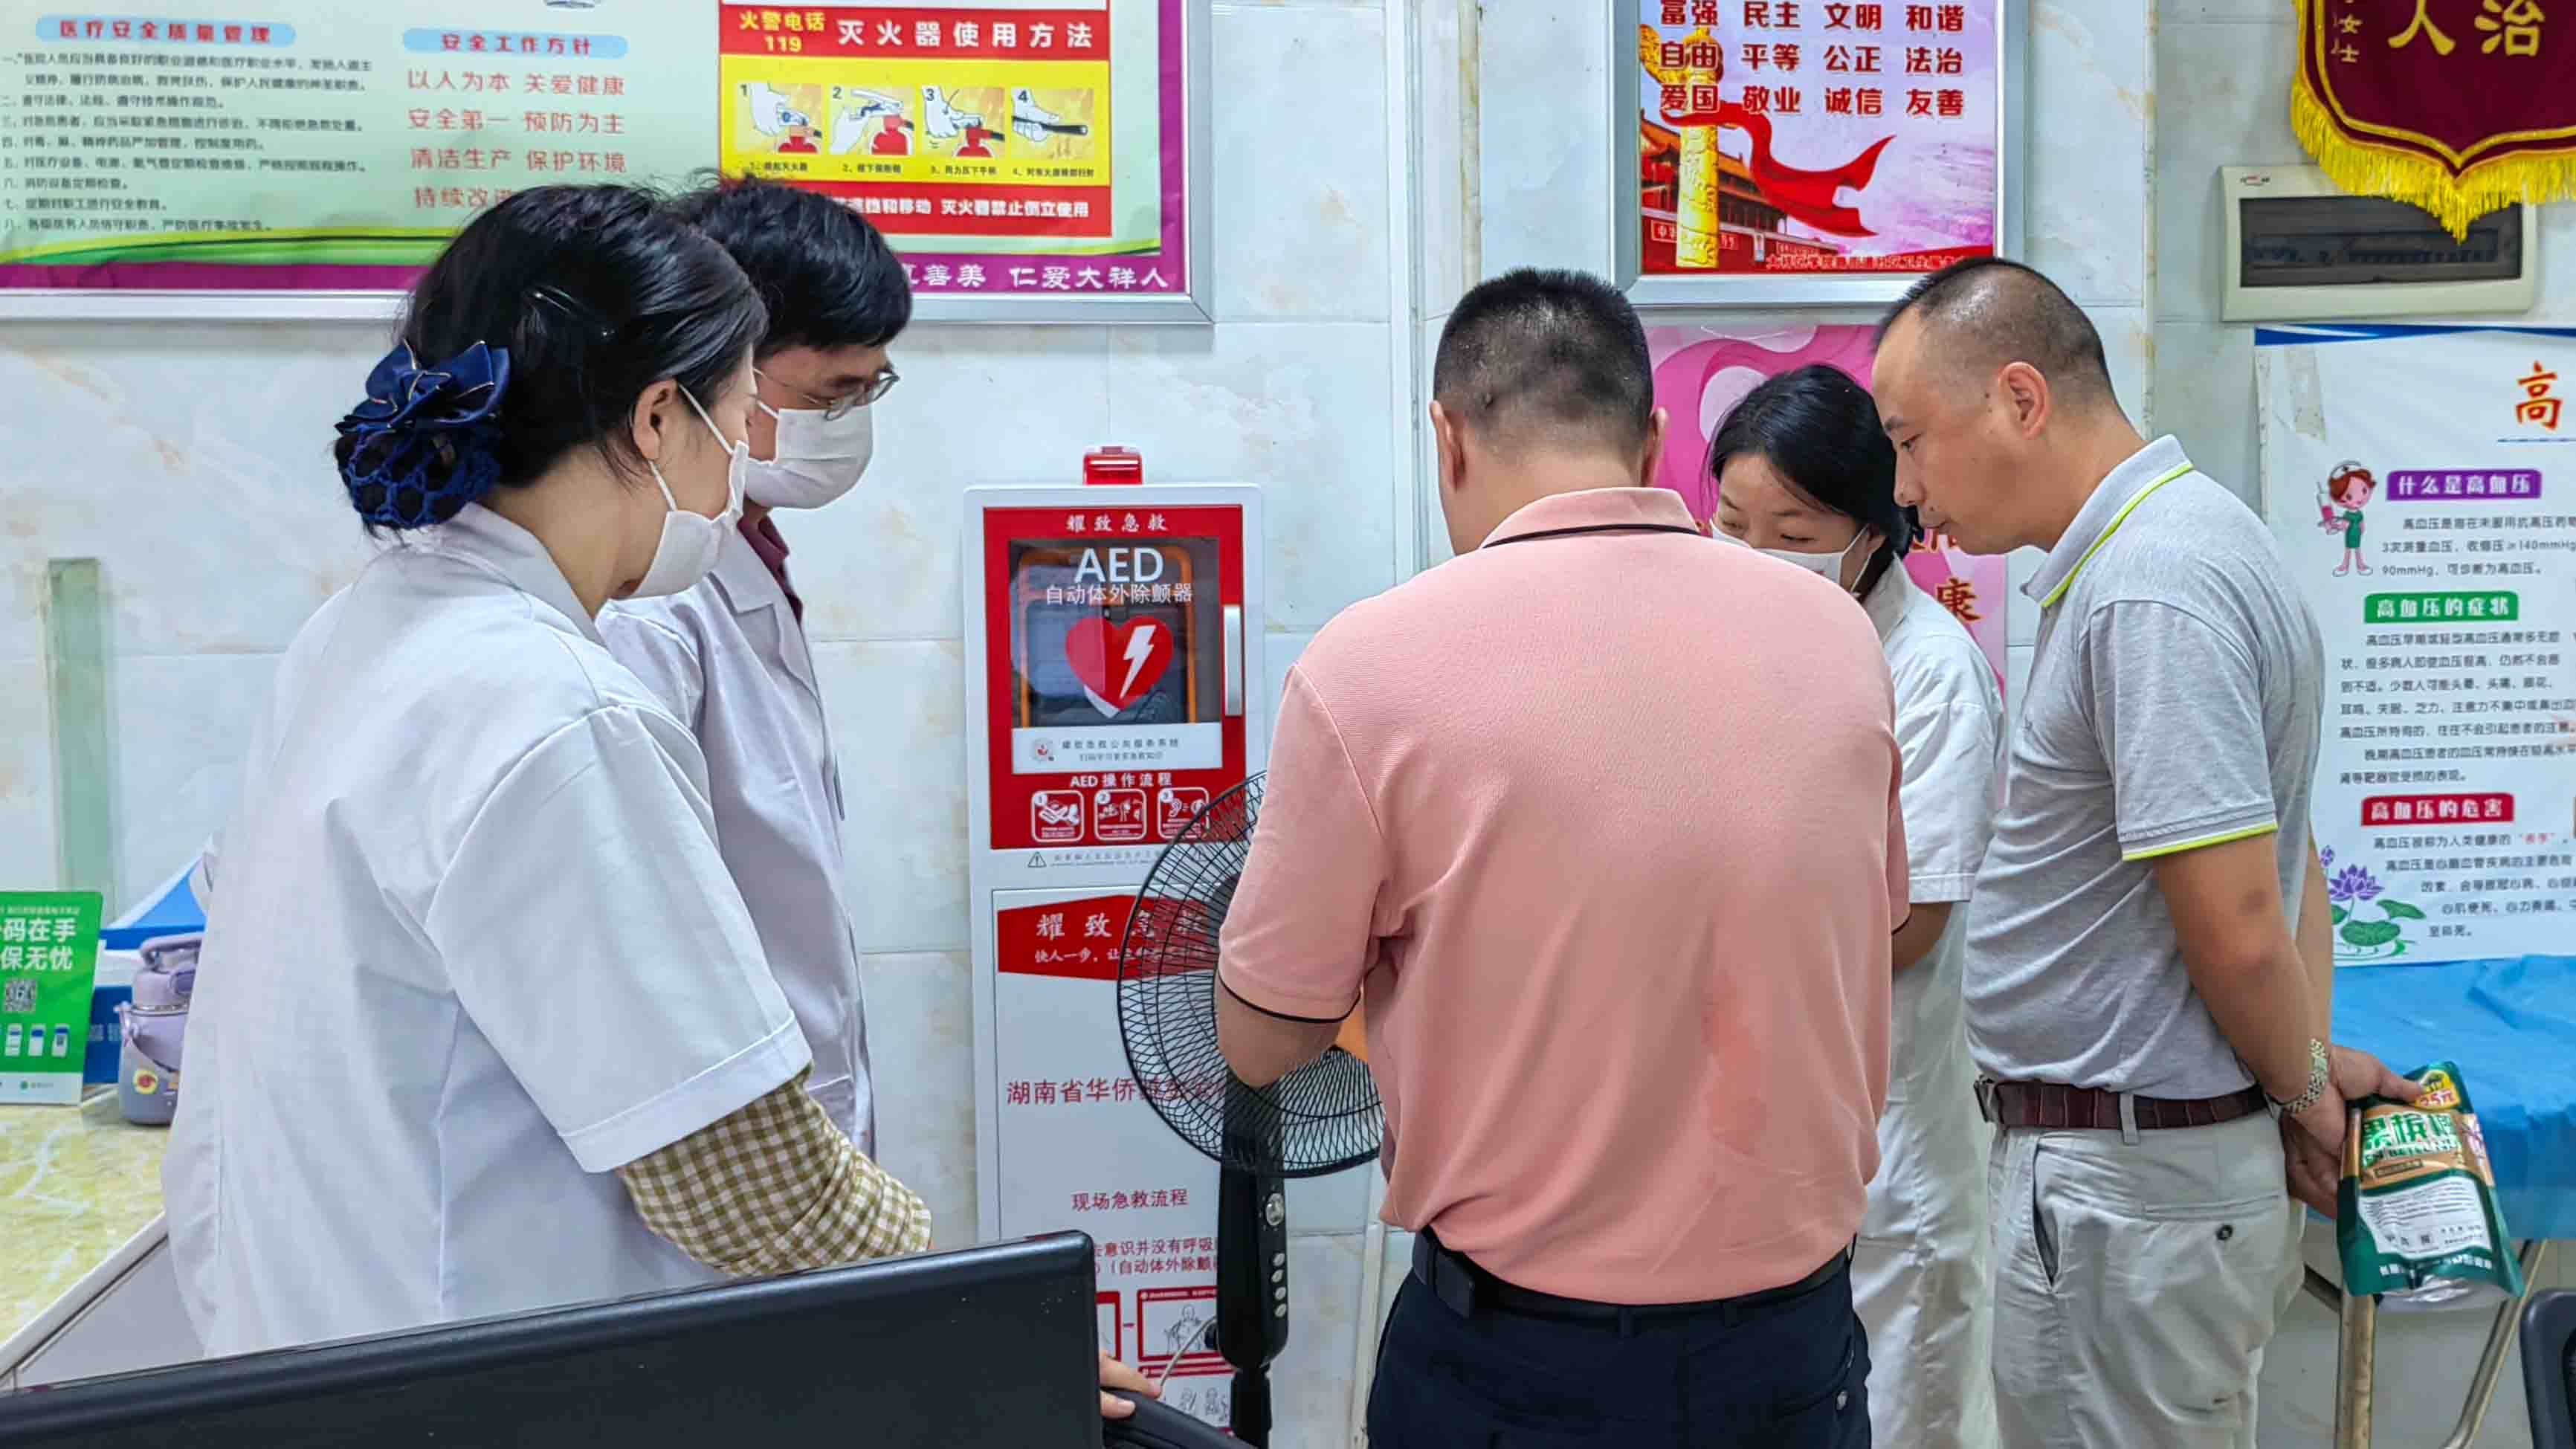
[1140, 645]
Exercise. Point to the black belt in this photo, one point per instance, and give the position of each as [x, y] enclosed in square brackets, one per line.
[1468, 1289]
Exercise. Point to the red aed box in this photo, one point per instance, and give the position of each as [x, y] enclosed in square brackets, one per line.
[1110, 686]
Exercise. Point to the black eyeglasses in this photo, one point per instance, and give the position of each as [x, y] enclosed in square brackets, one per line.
[840, 407]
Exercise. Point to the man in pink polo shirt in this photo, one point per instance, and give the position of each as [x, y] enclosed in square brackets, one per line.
[1601, 818]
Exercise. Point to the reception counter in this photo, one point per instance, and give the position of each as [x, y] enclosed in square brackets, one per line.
[88, 1287]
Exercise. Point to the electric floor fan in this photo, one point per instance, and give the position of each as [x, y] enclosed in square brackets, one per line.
[1319, 1119]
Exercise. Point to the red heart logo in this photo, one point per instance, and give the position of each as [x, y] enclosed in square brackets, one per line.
[1118, 664]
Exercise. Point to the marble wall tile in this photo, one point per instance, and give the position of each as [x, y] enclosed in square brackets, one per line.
[26, 784]
[978, 405]
[1544, 138]
[898, 712]
[182, 735]
[2086, 206]
[2021, 615]
[193, 463]
[1301, 181]
[2557, 266]
[1298, 408]
[1433, 534]
[1399, 1264]
[921, 1063]
[2222, 99]
[2129, 344]
[2171, 13]
[2205, 390]
[1278, 653]
[1445, 151]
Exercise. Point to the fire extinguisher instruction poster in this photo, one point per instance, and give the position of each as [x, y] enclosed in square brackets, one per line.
[1080, 1147]
[2421, 482]
[1798, 137]
[943, 112]
[1008, 147]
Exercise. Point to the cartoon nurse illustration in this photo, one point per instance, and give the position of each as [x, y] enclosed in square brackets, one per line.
[2339, 503]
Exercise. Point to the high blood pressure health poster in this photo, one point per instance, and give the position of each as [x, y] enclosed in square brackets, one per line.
[1701, 373]
[2421, 482]
[314, 147]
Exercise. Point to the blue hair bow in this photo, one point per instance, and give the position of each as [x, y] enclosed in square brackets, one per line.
[422, 445]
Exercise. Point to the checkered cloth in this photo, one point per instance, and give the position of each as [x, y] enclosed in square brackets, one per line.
[775, 1188]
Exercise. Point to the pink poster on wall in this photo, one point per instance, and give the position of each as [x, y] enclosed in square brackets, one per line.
[1703, 372]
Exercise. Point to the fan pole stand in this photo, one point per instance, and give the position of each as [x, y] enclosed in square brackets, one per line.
[1321, 1118]
[1251, 1291]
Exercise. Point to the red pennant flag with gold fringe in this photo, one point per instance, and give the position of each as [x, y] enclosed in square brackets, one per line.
[2457, 106]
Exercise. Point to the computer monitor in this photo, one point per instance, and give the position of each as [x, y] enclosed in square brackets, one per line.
[990, 1347]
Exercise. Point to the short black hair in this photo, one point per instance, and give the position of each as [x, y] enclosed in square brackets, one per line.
[1819, 429]
[1554, 348]
[596, 293]
[828, 277]
[2002, 311]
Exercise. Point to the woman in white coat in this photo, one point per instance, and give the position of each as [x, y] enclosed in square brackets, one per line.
[472, 960]
[1805, 475]
[482, 1024]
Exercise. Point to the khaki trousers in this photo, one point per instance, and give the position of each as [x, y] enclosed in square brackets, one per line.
[2138, 1278]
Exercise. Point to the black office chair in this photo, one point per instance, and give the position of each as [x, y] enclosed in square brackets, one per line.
[1154, 1426]
[2549, 1367]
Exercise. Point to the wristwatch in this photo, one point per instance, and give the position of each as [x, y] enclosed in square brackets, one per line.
[2319, 1072]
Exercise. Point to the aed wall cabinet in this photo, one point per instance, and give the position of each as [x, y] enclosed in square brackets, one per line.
[1114, 686]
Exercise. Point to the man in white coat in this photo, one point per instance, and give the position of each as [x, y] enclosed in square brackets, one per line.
[729, 656]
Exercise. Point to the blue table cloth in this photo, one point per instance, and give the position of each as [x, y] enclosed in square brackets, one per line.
[2511, 1026]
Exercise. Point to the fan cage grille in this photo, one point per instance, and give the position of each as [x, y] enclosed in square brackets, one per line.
[1323, 1117]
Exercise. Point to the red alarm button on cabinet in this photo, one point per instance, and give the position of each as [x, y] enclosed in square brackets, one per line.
[1113, 465]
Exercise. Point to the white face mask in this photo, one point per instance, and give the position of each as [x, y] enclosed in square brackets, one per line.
[819, 458]
[691, 541]
[1829, 565]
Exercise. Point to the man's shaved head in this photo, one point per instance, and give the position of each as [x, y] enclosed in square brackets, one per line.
[1983, 313]
[1992, 385]
[1542, 385]
[1538, 352]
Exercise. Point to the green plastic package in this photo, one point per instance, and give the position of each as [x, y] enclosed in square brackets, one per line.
[2416, 1219]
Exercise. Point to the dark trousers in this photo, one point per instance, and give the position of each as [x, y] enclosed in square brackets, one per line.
[1790, 1374]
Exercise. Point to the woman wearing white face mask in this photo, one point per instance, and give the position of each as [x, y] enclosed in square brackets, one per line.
[484, 1025]
[729, 656]
[1805, 474]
